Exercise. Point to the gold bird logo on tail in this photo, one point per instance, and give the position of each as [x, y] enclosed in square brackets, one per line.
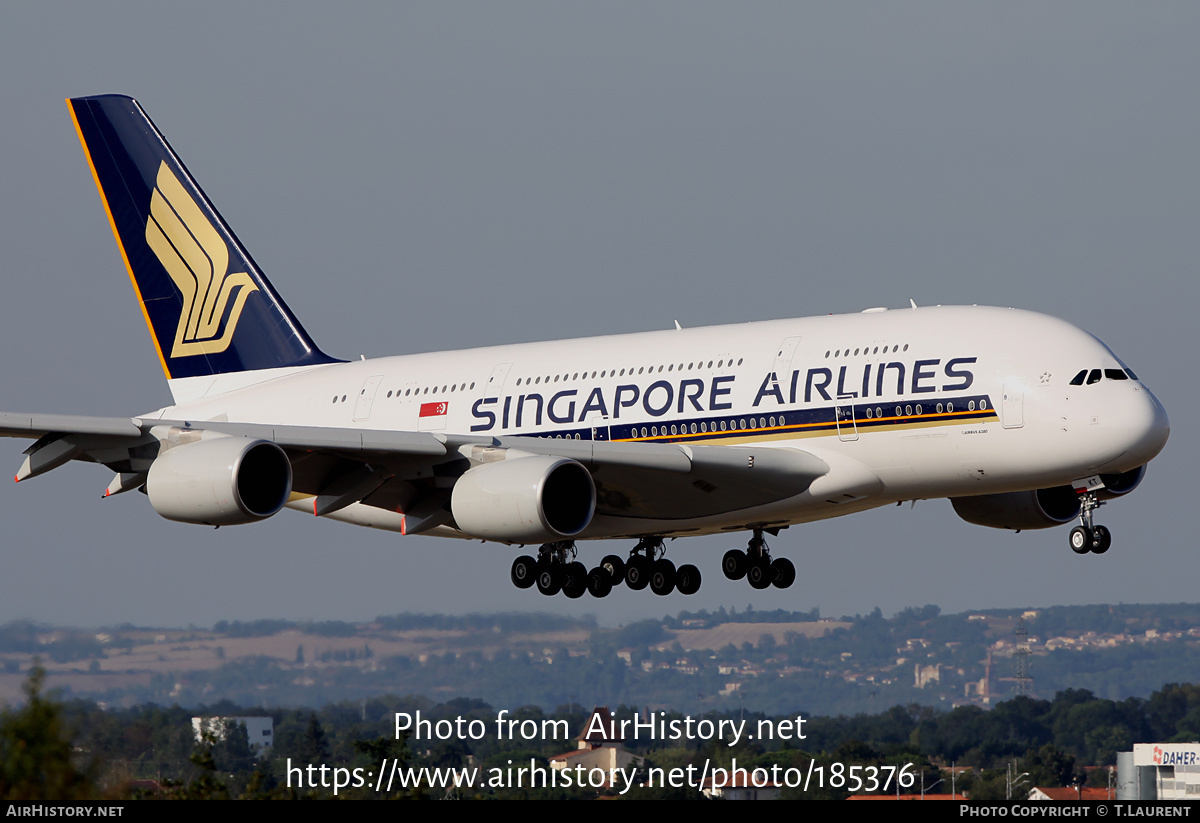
[197, 259]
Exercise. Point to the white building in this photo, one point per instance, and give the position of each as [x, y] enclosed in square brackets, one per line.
[1159, 771]
[260, 730]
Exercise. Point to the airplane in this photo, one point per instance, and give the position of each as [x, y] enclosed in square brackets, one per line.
[1022, 420]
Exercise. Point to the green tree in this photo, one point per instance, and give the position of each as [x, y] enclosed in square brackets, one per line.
[36, 761]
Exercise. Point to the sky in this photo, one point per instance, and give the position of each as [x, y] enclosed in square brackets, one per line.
[426, 176]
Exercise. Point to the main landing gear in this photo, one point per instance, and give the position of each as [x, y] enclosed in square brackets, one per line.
[1087, 537]
[648, 566]
[556, 569]
[755, 564]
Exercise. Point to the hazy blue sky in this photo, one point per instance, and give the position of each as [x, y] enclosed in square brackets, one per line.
[446, 175]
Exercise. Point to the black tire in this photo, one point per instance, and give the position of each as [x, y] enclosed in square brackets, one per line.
[574, 580]
[783, 573]
[687, 579]
[1081, 540]
[759, 574]
[524, 572]
[615, 567]
[599, 582]
[662, 577]
[637, 573]
[549, 579]
[1101, 539]
[734, 564]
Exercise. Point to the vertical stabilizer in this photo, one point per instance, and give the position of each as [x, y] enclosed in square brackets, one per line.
[209, 308]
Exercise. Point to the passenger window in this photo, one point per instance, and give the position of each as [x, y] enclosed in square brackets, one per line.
[1077, 380]
[1093, 376]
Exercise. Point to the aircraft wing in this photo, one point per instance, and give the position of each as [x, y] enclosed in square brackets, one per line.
[415, 471]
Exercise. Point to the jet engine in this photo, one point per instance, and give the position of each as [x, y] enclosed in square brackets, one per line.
[222, 481]
[1039, 509]
[533, 499]
[1116, 485]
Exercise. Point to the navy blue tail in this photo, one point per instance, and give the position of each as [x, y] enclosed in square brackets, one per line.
[209, 307]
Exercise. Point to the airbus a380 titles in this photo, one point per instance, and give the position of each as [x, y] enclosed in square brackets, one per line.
[1022, 420]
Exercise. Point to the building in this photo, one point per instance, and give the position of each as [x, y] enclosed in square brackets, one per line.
[743, 786]
[1159, 771]
[598, 748]
[1065, 794]
[259, 730]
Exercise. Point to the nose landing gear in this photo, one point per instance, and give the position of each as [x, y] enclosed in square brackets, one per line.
[1087, 537]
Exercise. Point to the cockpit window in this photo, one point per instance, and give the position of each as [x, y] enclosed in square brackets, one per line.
[1132, 376]
[1093, 376]
[1115, 374]
[1077, 380]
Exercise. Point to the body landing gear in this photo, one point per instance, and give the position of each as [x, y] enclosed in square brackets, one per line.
[556, 570]
[755, 564]
[648, 566]
[1087, 537]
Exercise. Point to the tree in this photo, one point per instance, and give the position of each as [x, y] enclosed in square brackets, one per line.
[36, 760]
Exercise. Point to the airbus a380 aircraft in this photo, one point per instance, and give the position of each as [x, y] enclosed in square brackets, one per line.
[1024, 421]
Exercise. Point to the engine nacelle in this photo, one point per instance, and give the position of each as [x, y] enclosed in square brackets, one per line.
[532, 499]
[1038, 509]
[1116, 485]
[221, 481]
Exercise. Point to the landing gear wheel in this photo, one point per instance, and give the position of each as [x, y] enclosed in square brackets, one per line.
[1081, 539]
[687, 579]
[662, 577]
[615, 567]
[759, 574]
[599, 582]
[783, 573]
[574, 580]
[637, 573]
[549, 579]
[1101, 539]
[734, 564]
[524, 571]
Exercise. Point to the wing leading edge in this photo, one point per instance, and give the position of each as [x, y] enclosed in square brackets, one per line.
[402, 471]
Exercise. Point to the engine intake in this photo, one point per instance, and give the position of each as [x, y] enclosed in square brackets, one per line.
[532, 499]
[223, 481]
[1116, 485]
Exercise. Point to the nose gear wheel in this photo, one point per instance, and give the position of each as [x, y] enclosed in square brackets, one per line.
[1087, 537]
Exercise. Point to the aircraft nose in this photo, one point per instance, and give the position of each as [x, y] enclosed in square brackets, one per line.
[1148, 424]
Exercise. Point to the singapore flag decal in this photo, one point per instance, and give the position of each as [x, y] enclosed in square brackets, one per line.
[432, 416]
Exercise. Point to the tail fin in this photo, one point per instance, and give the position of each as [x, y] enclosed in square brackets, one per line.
[209, 308]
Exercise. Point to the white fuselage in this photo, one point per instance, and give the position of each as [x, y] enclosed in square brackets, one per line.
[902, 404]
